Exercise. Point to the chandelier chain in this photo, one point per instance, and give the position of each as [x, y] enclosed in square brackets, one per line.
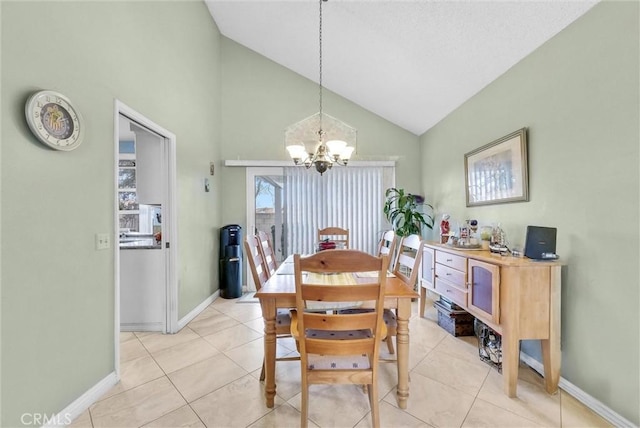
[325, 155]
[320, 76]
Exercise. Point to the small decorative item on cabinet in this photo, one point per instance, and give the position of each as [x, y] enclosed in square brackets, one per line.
[485, 236]
[444, 229]
[499, 241]
[456, 322]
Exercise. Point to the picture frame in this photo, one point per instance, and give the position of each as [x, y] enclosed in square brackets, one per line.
[497, 172]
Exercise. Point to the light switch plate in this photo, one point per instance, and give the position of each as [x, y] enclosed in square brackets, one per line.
[102, 241]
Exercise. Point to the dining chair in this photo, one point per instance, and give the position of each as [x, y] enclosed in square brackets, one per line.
[258, 267]
[336, 234]
[339, 348]
[255, 260]
[408, 257]
[387, 244]
[268, 253]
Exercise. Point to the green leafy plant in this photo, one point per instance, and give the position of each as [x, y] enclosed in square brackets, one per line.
[403, 211]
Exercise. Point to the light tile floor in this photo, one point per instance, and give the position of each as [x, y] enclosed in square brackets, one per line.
[207, 375]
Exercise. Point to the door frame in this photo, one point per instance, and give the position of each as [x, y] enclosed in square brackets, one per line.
[169, 219]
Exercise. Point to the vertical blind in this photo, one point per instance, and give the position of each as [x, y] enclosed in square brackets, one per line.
[351, 198]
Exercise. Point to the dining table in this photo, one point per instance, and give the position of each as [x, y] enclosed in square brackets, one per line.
[280, 292]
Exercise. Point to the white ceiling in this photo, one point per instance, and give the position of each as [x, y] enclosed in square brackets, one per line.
[410, 62]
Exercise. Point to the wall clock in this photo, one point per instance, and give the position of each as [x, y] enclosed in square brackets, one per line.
[54, 120]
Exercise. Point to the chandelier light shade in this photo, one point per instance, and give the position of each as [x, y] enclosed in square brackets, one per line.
[312, 142]
[320, 140]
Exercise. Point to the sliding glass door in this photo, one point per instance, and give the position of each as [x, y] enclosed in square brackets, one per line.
[291, 203]
[265, 208]
[350, 198]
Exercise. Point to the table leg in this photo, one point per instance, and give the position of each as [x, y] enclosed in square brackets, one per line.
[510, 362]
[402, 342]
[551, 357]
[269, 315]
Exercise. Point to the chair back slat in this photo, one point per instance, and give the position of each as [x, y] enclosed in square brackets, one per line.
[324, 293]
[387, 243]
[268, 253]
[255, 261]
[351, 261]
[409, 254]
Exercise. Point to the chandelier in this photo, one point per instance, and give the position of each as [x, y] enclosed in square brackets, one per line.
[320, 140]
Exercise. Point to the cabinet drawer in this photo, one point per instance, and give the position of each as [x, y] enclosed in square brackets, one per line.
[453, 276]
[452, 260]
[450, 292]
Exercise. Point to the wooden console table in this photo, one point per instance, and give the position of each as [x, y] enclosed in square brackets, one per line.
[517, 297]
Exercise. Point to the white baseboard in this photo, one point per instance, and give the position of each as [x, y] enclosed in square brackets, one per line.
[82, 403]
[149, 326]
[75, 409]
[196, 311]
[594, 404]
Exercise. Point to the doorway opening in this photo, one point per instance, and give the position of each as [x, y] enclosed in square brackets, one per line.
[146, 290]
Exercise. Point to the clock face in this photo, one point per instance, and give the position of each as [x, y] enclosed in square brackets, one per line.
[53, 119]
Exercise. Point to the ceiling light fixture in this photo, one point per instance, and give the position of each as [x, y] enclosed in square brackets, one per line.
[305, 140]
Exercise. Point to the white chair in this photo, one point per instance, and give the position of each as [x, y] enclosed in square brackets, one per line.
[387, 244]
[409, 254]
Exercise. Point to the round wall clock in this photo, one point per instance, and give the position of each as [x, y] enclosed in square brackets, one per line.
[54, 120]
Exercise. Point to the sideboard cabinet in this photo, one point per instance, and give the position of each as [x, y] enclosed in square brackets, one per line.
[516, 296]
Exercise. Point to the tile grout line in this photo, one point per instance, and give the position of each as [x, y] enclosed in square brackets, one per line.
[475, 398]
[459, 356]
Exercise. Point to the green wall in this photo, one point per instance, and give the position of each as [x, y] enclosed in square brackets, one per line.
[262, 98]
[579, 97]
[160, 58]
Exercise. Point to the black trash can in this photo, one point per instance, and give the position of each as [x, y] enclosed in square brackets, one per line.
[230, 270]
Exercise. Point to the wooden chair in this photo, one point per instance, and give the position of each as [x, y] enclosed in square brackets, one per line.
[409, 255]
[387, 244]
[335, 347]
[268, 252]
[336, 234]
[255, 260]
[260, 275]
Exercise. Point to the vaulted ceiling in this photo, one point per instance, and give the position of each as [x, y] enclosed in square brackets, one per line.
[410, 62]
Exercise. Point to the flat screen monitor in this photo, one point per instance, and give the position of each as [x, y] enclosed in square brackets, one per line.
[540, 243]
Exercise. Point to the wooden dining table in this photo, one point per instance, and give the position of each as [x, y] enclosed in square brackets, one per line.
[280, 292]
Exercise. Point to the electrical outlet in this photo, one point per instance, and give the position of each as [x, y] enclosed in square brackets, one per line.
[102, 241]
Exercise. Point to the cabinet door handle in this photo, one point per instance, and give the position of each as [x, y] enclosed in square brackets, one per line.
[448, 274]
[449, 260]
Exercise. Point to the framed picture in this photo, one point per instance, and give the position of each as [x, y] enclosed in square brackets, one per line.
[497, 172]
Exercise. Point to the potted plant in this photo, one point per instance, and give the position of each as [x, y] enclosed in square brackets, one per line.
[403, 211]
